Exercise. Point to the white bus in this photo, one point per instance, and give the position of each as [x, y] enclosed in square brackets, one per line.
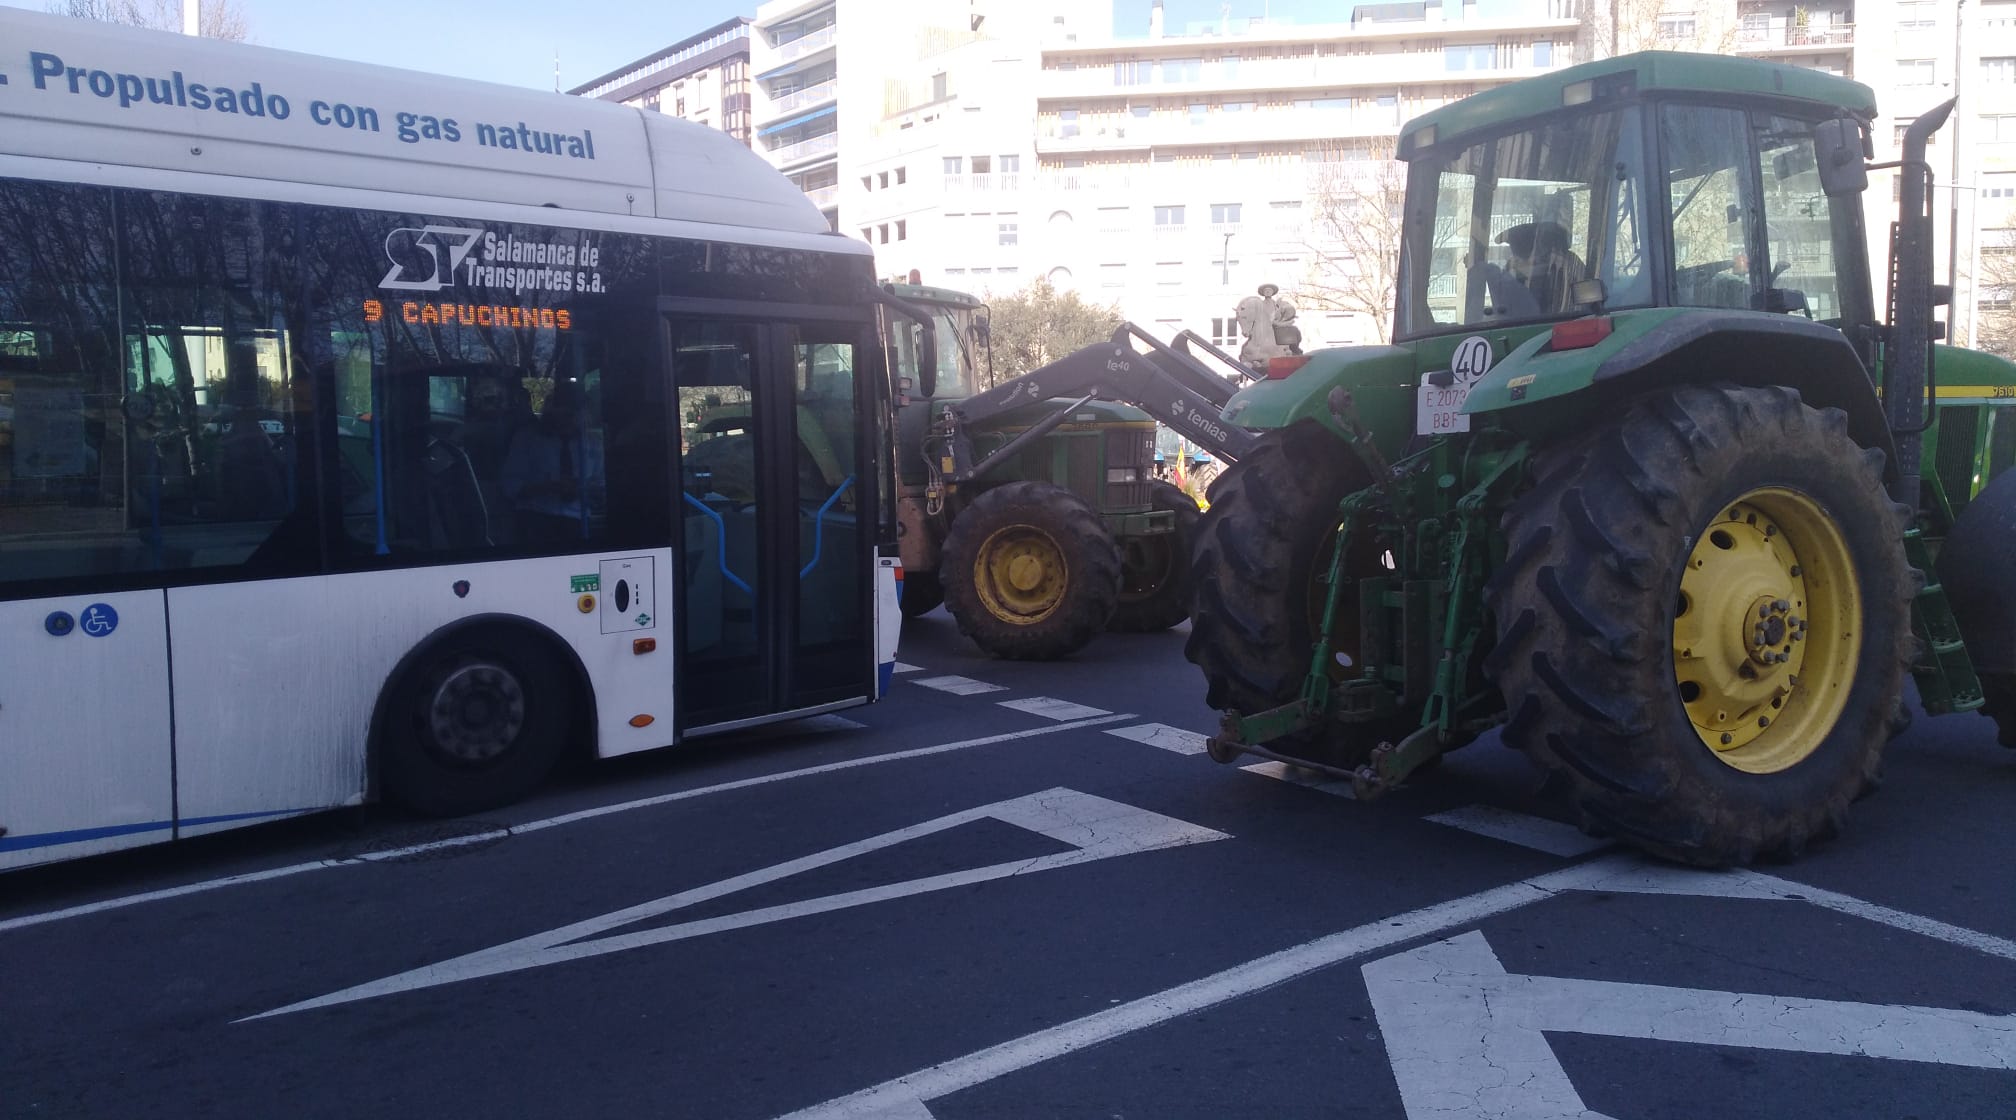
[365, 433]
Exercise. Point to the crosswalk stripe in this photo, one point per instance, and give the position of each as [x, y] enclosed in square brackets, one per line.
[959, 686]
[1053, 709]
[1538, 833]
[1162, 735]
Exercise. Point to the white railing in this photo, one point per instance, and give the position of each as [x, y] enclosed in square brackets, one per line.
[805, 98]
[803, 149]
[800, 47]
[1002, 181]
[823, 197]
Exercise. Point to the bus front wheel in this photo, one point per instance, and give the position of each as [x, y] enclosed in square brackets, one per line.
[477, 722]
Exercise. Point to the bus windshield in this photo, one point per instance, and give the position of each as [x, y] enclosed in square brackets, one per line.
[1500, 231]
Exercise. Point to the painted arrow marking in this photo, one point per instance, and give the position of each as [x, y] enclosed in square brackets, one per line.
[1466, 1038]
[1094, 827]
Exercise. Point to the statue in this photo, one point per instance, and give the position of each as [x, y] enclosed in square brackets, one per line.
[1267, 323]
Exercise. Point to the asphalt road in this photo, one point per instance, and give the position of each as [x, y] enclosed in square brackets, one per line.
[1021, 890]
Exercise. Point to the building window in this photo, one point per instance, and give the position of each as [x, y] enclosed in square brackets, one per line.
[955, 164]
[902, 230]
[1543, 53]
[1008, 164]
[1169, 217]
[1006, 232]
[902, 175]
[1197, 111]
[1168, 274]
[1112, 219]
[1998, 127]
[1141, 112]
[1133, 73]
[938, 87]
[1224, 213]
[882, 180]
[1914, 71]
[1236, 107]
[883, 230]
[867, 182]
[1998, 186]
[1112, 275]
[1469, 57]
[2000, 70]
[1067, 123]
[1915, 13]
[982, 165]
[1676, 29]
[1225, 332]
[1177, 70]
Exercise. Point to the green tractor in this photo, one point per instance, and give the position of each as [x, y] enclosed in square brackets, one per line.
[1645, 481]
[1031, 509]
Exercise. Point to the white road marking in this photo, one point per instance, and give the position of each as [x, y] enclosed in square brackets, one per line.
[959, 686]
[1538, 833]
[1756, 885]
[1164, 736]
[538, 825]
[1053, 709]
[1607, 873]
[982, 1066]
[902, 667]
[1094, 827]
[1300, 776]
[1467, 1042]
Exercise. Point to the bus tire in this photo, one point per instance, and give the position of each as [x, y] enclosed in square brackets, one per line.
[476, 721]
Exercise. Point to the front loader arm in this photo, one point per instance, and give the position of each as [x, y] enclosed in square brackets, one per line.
[1168, 384]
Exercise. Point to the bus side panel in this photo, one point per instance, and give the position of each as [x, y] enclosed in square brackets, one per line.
[276, 682]
[888, 620]
[85, 743]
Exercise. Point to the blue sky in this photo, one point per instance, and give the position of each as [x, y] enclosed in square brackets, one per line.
[514, 41]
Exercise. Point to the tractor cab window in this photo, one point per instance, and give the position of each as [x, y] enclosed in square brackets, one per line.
[1500, 231]
[1707, 153]
[1800, 226]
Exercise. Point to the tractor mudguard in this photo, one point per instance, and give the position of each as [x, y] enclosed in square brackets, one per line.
[1380, 380]
[1973, 566]
[1538, 386]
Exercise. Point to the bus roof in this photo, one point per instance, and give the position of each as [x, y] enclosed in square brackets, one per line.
[1672, 71]
[97, 93]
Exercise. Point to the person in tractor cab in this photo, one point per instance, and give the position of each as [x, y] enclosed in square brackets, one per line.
[1539, 277]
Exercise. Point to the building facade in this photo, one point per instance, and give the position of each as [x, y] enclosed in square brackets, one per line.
[703, 79]
[795, 93]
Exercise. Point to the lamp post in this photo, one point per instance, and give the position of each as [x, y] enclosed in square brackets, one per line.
[1225, 262]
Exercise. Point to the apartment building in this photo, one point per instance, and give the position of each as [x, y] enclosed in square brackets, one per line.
[1170, 170]
[703, 78]
[795, 92]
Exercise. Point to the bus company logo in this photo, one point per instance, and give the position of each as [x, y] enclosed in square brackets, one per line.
[426, 259]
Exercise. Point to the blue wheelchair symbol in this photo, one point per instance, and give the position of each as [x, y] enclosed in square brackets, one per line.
[98, 620]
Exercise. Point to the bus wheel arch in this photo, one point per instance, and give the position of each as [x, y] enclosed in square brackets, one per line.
[461, 724]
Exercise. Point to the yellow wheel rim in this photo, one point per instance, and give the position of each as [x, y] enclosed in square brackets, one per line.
[1767, 630]
[1020, 574]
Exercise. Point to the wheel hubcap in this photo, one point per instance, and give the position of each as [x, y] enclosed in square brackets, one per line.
[1020, 574]
[476, 713]
[1766, 631]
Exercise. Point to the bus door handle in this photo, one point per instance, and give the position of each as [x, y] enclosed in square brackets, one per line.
[720, 543]
[819, 527]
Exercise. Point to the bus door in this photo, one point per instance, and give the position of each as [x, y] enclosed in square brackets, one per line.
[774, 611]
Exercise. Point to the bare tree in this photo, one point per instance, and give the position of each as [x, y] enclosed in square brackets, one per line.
[1353, 234]
[1994, 294]
[216, 19]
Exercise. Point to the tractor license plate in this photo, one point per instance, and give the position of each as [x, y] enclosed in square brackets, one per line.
[1440, 410]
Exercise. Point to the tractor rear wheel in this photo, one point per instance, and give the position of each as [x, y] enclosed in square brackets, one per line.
[1256, 595]
[1155, 571]
[1704, 623]
[1029, 572]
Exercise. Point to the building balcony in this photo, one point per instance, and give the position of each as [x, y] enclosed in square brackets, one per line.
[1784, 38]
[825, 198]
[801, 47]
[1001, 183]
[811, 97]
[790, 154]
[1218, 129]
[1369, 74]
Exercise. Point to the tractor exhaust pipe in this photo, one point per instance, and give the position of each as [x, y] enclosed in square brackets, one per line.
[1907, 362]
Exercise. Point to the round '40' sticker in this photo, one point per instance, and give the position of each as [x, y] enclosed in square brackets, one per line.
[1471, 361]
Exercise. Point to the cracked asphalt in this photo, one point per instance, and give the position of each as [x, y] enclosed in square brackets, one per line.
[946, 906]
